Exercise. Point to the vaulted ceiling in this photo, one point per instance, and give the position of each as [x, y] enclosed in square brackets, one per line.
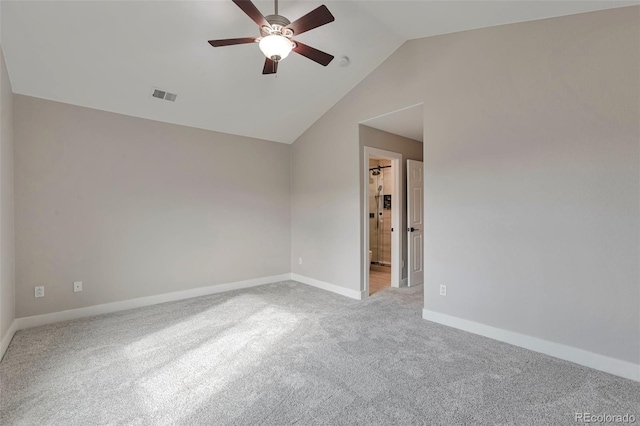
[110, 54]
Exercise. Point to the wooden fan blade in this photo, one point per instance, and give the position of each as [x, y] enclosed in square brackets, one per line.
[270, 67]
[252, 11]
[311, 20]
[313, 54]
[231, 41]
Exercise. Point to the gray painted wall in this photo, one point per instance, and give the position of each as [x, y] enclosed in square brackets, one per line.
[410, 150]
[531, 168]
[134, 207]
[7, 305]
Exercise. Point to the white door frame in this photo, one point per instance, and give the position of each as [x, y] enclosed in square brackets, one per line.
[396, 213]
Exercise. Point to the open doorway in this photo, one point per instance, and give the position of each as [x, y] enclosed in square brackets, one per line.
[390, 143]
[383, 212]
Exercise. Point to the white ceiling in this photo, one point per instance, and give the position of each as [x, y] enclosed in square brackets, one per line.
[109, 54]
[407, 122]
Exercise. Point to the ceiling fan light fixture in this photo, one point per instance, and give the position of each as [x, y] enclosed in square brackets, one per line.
[276, 47]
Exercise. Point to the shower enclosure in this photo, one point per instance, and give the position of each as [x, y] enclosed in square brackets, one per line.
[380, 184]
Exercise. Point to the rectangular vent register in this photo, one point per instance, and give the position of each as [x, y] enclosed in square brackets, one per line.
[162, 94]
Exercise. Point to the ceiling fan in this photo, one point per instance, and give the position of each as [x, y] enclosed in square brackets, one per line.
[276, 35]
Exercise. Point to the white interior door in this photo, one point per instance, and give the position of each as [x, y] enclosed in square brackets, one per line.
[415, 222]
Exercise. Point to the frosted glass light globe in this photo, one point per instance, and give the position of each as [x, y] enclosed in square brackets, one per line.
[275, 47]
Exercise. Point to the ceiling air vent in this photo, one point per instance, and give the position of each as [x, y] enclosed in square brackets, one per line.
[161, 94]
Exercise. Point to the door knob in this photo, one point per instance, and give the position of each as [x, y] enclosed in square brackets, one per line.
[412, 229]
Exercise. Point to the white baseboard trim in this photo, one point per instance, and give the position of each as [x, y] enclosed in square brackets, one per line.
[604, 363]
[89, 311]
[354, 294]
[4, 343]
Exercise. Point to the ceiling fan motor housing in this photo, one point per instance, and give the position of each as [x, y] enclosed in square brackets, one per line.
[278, 24]
[277, 20]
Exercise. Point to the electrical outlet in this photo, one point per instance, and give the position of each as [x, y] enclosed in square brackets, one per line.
[299, 261]
[39, 291]
[443, 290]
[77, 286]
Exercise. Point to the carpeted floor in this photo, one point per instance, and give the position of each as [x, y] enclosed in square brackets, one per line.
[285, 354]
